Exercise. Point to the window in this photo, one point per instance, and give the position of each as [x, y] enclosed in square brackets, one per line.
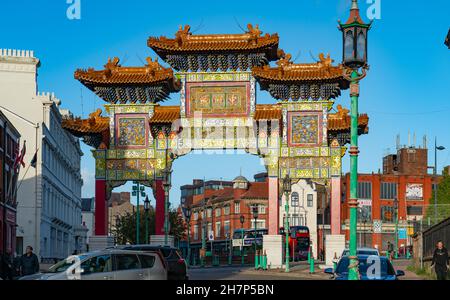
[217, 232]
[415, 210]
[127, 262]
[294, 199]
[226, 228]
[208, 228]
[364, 190]
[226, 210]
[388, 190]
[147, 261]
[260, 224]
[262, 209]
[309, 199]
[195, 232]
[388, 214]
[237, 208]
[98, 264]
[209, 213]
[195, 216]
[218, 212]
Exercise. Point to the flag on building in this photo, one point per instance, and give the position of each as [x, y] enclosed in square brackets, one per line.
[34, 160]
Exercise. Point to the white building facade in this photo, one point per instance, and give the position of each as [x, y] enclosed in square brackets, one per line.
[303, 208]
[49, 197]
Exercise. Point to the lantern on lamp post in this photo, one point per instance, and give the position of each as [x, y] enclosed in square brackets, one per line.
[354, 58]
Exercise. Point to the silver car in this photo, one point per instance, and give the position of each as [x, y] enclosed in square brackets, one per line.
[107, 265]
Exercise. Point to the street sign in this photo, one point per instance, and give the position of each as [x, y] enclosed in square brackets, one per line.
[364, 202]
[402, 233]
[377, 225]
[211, 235]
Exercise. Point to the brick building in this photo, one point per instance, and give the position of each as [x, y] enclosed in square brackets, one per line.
[218, 205]
[404, 177]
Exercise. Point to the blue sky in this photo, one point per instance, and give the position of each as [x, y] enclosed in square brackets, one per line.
[406, 89]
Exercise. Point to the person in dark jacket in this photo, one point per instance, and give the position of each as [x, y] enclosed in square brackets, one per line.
[29, 263]
[440, 261]
[8, 270]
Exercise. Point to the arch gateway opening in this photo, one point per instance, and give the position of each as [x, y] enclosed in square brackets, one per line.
[137, 138]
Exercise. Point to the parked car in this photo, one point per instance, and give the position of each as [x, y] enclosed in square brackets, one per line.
[368, 270]
[362, 251]
[177, 266]
[109, 264]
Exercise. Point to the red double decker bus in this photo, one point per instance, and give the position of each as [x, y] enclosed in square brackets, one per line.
[299, 242]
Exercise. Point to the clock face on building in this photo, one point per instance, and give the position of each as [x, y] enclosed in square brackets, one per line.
[414, 191]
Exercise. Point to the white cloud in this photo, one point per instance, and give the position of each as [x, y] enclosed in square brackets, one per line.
[88, 189]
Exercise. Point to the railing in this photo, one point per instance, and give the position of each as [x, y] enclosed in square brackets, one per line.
[438, 232]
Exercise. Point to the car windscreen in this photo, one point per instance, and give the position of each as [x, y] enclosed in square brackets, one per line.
[385, 268]
[64, 264]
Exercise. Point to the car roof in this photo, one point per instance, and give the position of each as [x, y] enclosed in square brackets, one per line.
[110, 251]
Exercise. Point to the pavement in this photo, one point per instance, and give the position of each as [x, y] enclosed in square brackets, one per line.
[402, 264]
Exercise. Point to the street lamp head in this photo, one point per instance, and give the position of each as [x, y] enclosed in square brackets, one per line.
[242, 219]
[440, 148]
[354, 36]
[146, 204]
[255, 212]
[287, 184]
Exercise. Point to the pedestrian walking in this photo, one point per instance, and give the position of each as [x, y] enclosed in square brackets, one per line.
[29, 263]
[440, 261]
[7, 262]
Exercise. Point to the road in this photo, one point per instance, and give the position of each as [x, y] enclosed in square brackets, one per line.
[248, 273]
[298, 272]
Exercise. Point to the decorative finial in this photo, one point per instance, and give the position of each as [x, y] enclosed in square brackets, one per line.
[355, 4]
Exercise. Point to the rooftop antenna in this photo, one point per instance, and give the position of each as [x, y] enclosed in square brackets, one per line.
[425, 141]
[409, 139]
[414, 139]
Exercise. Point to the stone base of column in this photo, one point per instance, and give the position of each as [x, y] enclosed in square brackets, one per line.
[334, 244]
[273, 247]
[158, 240]
[100, 242]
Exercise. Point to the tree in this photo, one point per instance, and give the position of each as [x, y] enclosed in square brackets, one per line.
[125, 229]
[443, 199]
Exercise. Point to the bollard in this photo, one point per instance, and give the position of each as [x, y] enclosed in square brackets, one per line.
[256, 259]
[265, 260]
[311, 263]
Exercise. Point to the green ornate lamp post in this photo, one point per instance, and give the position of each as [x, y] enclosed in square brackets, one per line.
[354, 58]
[396, 228]
[287, 191]
[167, 184]
[436, 148]
[242, 220]
[138, 190]
[255, 216]
[187, 216]
[146, 209]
